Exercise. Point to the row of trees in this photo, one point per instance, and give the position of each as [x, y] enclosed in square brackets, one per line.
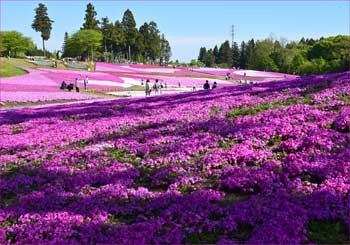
[15, 44]
[108, 40]
[308, 56]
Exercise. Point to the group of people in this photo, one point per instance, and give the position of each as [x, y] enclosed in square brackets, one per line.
[70, 86]
[156, 87]
[207, 85]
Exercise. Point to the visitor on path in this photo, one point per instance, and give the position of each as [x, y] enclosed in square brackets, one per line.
[156, 87]
[194, 88]
[76, 85]
[86, 82]
[166, 85]
[141, 82]
[206, 85]
[148, 88]
[215, 85]
[179, 84]
[63, 85]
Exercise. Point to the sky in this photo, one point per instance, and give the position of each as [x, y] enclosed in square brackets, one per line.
[189, 25]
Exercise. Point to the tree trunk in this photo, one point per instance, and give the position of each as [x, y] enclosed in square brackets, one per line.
[44, 47]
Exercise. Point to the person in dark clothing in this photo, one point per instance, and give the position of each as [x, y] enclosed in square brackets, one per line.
[215, 85]
[63, 85]
[70, 87]
[206, 85]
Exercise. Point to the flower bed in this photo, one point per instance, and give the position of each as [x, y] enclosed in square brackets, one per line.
[37, 96]
[267, 163]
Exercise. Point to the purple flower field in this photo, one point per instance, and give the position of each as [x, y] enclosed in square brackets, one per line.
[264, 163]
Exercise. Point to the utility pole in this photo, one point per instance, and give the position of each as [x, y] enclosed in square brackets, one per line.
[232, 40]
[232, 35]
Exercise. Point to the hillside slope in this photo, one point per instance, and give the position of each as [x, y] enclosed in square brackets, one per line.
[266, 163]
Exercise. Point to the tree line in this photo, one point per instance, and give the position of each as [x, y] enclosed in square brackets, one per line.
[308, 56]
[105, 40]
[96, 39]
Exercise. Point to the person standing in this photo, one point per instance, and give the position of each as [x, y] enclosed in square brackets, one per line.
[76, 85]
[148, 89]
[86, 82]
[156, 87]
[215, 85]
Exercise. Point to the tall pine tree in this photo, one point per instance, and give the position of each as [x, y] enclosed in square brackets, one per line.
[235, 55]
[42, 23]
[242, 57]
[216, 54]
[130, 32]
[66, 36]
[225, 54]
[91, 23]
[202, 53]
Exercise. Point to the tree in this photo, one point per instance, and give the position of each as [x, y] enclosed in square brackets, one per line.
[15, 42]
[105, 31]
[84, 43]
[91, 23]
[165, 50]
[249, 54]
[42, 23]
[209, 59]
[216, 54]
[235, 55]
[130, 32]
[225, 54]
[118, 37]
[202, 53]
[150, 41]
[261, 59]
[242, 57]
[66, 36]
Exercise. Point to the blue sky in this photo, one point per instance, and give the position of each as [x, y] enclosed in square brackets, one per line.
[188, 25]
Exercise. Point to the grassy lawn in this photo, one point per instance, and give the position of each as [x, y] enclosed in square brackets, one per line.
[8, 69]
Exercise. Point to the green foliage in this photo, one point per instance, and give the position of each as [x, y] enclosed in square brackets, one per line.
[248, 111]
[9, 222]
[151, 41]
[122, 156]
[42, 23]
[225, 54]
[227, 144]
[196, 63]
[83, 43]
[204, 237]
[309, 56]
[344, 97]
[165, 50]
[202, 53]
[130, 32]
[327, 232]
[209, 58]
[7, 69]
[15, 42]
[235, 55]
[258, 108]
[90, 18]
